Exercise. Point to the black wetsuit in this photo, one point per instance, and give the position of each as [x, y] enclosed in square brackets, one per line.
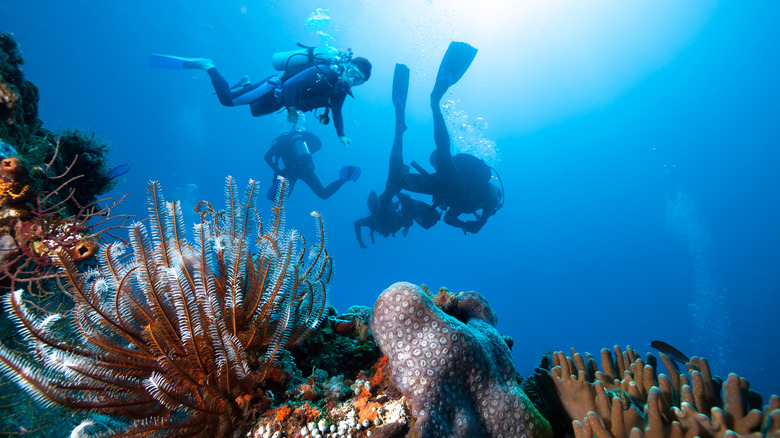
[314, 87]
[459, 185]
[295, 155]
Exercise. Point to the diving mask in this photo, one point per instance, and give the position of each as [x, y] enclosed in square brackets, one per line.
[354, 76]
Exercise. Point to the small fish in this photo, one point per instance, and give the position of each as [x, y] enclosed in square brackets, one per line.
[6, 150]
[670, 351]
[118, 171]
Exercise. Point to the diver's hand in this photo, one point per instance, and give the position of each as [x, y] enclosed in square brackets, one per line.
[346, 140]
[362, 244]
[292, 115]
[471, 227]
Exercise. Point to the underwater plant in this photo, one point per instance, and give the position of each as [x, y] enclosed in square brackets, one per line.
[181, 333]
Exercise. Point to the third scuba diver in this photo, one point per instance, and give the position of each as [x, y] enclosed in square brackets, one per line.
[461, 183]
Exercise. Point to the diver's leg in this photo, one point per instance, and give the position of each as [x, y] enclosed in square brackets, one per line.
[310, 178]
[441, 137]
[221, 86]
[242, 96]
[395, 173]
[456, 61]
[396, 165]
[362, 222]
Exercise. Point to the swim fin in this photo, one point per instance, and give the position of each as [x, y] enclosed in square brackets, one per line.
[349, 173]
[425, 215]
[456, 61]
[400, 85]
[373, 203]
[171, 62]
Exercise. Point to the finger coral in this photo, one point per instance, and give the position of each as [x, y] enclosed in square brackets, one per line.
[627, 397]
[179, 335]
[458, 375]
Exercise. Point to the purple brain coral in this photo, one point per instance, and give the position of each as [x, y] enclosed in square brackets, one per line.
[457, 376]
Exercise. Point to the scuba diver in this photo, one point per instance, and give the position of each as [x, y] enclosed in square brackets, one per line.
[312, 78]
[386, 214]
[294, 149]
[386, 217]
[461, 183]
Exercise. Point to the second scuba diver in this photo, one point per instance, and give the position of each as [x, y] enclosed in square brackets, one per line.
[294, 149]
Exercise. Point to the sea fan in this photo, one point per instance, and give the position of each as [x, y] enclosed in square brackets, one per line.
[168, 336]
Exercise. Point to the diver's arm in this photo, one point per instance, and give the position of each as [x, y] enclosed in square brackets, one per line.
[338, 117]
[362, 222]
[451, 218]
[269, 159]
[408, 222]
[475, 226]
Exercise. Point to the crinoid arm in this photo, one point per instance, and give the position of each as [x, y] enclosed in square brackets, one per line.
[160, 335]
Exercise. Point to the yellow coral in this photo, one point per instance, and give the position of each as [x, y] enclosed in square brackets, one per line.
[7, 190]
[629, 398]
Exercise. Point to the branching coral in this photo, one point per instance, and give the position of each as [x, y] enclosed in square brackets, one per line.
[628, 398]
[36, 222]
[83, 159]
[170, 337]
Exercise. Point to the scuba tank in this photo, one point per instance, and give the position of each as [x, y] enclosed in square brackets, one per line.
[295, 61]
[299, 146]
[306, 56]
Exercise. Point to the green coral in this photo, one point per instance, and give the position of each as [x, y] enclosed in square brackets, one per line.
[20, 121]
[338, 347]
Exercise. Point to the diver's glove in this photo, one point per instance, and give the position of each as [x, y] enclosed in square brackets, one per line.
[346, 140]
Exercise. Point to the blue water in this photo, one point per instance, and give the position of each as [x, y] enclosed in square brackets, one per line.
[638, 145]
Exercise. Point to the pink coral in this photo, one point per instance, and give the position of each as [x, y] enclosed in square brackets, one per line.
[458, 376]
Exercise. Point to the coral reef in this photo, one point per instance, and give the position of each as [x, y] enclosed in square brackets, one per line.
[180, 336]
[458, 376]
[72, 153]
[36, 223]
[18, 96]
[229, 334]
[49, 184]
[629, 398]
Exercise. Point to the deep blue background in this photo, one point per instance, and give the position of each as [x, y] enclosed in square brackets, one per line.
[638, 146]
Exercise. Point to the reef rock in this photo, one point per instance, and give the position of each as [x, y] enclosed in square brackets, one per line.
[458, 376]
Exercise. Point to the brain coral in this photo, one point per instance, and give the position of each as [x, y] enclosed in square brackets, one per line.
[458, 377]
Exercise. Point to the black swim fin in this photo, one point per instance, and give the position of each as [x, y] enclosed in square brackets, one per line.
[349, 173]
[453, 66]
[425, 215]
[373, 203]
[400, 85]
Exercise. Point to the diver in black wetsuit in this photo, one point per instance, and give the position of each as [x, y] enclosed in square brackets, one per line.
[391, 211]
[294, 149]
[321, 85]
[461, 183]
[385, 218]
